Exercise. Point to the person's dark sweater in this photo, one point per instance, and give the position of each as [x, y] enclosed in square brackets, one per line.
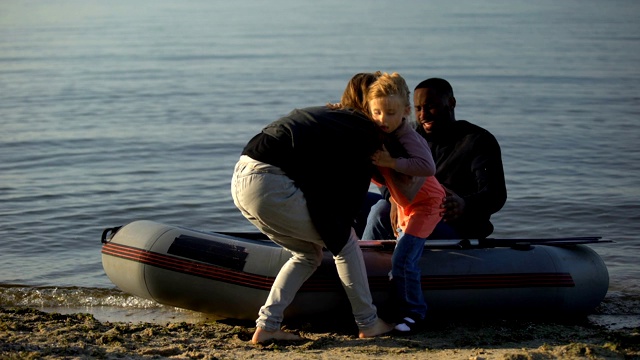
[327, 153]
[469, 162]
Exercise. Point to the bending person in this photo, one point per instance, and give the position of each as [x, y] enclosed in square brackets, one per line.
[280, 185]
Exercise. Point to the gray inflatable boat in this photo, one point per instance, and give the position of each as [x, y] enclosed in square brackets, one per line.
[229, 275]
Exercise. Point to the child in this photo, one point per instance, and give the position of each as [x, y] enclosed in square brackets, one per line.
[408, 169]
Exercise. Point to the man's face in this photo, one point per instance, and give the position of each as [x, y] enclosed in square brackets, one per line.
[432, 110]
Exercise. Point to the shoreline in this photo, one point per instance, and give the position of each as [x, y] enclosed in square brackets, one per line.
[30, 333]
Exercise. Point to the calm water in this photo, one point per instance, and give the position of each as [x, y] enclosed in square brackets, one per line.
[123, 110]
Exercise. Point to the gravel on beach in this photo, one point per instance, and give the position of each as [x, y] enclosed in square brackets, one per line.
[27, 333]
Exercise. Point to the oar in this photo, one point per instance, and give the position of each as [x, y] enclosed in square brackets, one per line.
[493, 242]
[490, 242]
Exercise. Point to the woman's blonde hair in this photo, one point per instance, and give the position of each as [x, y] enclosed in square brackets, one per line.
[355, 94]
[389, 85]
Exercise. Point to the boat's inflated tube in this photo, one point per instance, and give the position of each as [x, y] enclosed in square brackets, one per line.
[229, 274]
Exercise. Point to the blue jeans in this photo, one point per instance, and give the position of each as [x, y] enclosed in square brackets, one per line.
[405, 262]
[361, 220]
[406, 273]
[378, 222]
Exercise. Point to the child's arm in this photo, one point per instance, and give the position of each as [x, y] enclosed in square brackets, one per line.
[418, 163]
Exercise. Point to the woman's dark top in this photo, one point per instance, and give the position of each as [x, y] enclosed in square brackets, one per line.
[327, 153]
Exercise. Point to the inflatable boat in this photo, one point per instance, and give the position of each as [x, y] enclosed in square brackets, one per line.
[229, 275]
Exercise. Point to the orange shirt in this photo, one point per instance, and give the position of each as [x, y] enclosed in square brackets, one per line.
[420, 215]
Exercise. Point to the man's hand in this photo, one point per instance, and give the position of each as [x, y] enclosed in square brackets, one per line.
[452, 206]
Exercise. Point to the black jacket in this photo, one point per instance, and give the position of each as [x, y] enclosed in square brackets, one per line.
[469, 162]
[327, 153]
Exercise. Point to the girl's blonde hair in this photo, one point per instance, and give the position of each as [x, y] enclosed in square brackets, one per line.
[389, 85]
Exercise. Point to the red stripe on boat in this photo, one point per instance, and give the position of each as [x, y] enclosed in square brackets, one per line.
[324, 283]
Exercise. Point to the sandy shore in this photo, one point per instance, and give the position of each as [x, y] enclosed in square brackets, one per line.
[32, 334]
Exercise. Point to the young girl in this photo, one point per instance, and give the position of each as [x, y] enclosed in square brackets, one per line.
[408, 169]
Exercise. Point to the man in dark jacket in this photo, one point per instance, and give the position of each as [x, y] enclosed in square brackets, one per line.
[468, 164]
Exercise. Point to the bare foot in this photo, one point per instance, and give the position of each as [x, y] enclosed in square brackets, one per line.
[261, 335]
[380, 328]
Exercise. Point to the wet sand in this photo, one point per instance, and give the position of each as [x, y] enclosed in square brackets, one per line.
[32, 334]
